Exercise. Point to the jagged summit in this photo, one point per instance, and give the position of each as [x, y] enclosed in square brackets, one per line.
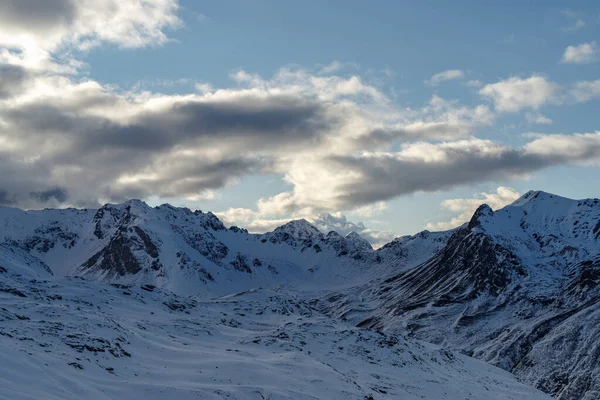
[298, 232]
[483, 211]
[300, 227]
[359, 242]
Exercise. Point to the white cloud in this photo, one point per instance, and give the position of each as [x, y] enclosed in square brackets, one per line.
[474, 83]
[466, 207]
[584, 53]
[334, 66]
[41, 30]
[537, 118]
[515, 94]
[578, 148]
[371, 210]
[585, 91]
[339, 223]
[447, 75]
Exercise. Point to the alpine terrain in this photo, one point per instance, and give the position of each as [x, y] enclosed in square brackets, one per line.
[162, 302]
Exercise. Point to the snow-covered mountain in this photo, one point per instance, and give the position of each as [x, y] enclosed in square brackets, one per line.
[174, 305]
[517, 288]
[178, 249]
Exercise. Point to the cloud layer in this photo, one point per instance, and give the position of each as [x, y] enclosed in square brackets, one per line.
[341, 143]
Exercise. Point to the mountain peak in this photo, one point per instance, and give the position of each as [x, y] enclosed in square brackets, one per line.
[536, 196]
[298, 225]
[483, 210]
[296, 232]
[359, 242]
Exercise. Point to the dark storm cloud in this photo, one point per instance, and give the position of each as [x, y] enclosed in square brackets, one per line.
[36, 15]
[254, 122]
[428, 131]
[59, 194]
[382, 177]
[102, 150]
[6, 199]
[12, 79]
[187, 176]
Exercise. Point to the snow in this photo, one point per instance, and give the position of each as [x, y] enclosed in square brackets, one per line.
[518, 288]
[82, 339]
[210, 312]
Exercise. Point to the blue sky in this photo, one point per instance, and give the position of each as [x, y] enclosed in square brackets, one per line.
[511, 76]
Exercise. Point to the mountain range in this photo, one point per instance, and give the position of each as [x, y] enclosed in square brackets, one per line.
[434, 315]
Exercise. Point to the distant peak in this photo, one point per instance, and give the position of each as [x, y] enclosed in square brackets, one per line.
[333, 234]
[300, 224]
[482, 211]
[537, 196]
[534, 194]
[129, 203]
[359, 241]
[137, 203]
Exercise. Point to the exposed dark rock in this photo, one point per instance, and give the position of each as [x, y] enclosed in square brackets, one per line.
[240, 263]
[150, 246]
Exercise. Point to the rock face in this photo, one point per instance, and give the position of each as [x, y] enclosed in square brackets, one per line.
[518, 288]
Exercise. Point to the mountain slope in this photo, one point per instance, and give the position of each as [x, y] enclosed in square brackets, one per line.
[517, 287]
[82, 339]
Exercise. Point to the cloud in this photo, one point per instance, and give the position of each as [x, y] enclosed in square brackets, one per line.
[170, 146]
[371, 210]
[257, 221]
[60, 129]
[339, 223]
[474, 83]
[82, 23]
[59, 194]
[584, 53]
[585, 91]
[12, 80]
[466, 207]
[439, 119]
[334, 66]
[340, 142]
[537, 118]
[579, 148]
[515, 94]
[576, 18]
[448, 75]
[360, 179]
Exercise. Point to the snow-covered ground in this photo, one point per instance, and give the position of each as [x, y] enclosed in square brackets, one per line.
[68, 338]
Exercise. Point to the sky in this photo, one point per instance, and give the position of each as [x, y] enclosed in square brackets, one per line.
[381, 117]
